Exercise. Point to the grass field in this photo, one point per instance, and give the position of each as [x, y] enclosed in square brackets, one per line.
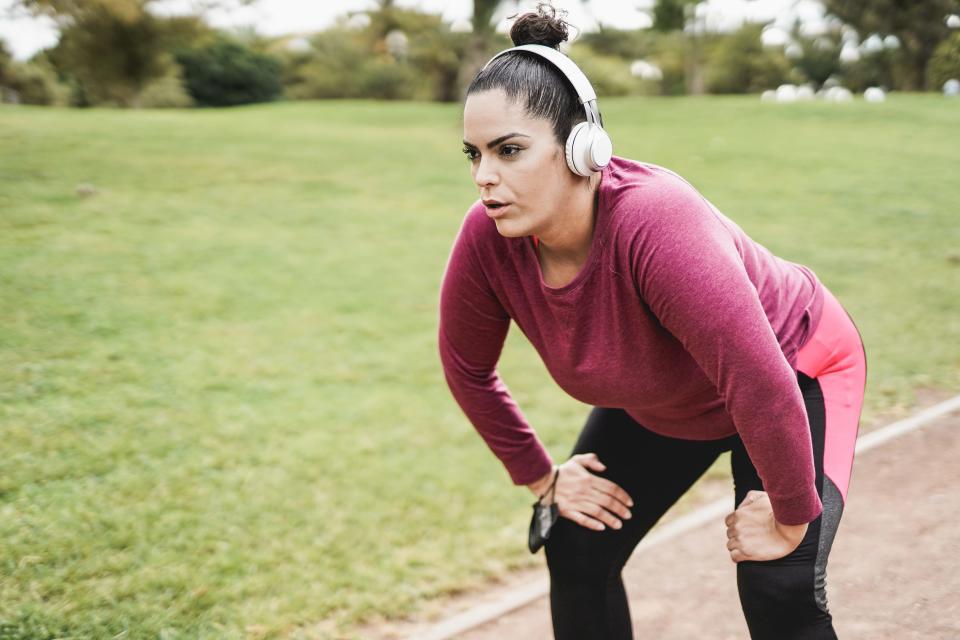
[221, 405]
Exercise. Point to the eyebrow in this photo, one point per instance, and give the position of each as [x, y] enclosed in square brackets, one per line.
[496, 141]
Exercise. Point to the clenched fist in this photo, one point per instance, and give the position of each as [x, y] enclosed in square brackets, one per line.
[754, 534]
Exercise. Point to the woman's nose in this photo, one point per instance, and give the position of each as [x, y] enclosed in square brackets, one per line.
[485, 174]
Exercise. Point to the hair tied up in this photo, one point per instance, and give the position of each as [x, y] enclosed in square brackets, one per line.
[543, 27]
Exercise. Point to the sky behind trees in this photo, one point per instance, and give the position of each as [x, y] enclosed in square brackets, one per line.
[24, 36]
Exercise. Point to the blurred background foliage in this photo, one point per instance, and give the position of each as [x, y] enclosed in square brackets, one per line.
[125, 53]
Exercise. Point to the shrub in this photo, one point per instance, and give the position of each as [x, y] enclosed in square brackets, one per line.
[670, 55]
[350, 62]
[167, 91]
[610, 76]
[385, 78]
[945, 62]
[629, 44]
[37, 83]
[739, 63]
[329, 70]
[224, 72]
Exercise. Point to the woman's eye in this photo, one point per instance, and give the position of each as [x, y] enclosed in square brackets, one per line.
[509, 150]
[470, 153]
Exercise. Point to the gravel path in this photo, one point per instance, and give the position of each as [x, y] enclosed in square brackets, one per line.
[894, 571]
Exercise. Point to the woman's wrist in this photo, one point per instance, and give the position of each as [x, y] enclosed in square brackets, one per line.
[792, 532]
[542, 484]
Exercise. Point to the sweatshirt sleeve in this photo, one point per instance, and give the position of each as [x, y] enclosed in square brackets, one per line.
[472, 328]
[689, 272]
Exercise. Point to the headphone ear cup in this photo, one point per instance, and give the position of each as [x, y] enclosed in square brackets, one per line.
[601, 149]
[588, 149]
[577, 149]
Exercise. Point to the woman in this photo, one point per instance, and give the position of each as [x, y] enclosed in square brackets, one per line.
[687, 337]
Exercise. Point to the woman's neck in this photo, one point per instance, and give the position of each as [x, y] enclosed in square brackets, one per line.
[569, 240]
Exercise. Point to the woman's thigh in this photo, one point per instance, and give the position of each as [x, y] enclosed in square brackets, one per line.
[836, 358]
[790, 593]
[654, 470]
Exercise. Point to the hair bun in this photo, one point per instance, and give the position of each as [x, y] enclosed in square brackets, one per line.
[543, 27]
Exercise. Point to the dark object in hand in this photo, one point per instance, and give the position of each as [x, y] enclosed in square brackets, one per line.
[544, 517]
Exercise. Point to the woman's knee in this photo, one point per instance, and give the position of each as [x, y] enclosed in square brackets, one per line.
[779, 600]
[770, 585]
[575, 550]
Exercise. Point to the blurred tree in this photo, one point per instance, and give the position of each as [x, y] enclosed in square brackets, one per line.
[609, 75]
[479, 45]
[167, 91]
[739, 63]
[36, 83]
[6, 64]
[873, 69]
[353, 59]
[667, 50]
[65, 12]
[113, 57]
[436, 55]
[945, 62]
[681, 16]
[225, 72]
[671, 54]
[32, 82]
[329, 68]
[820, 56]
[920, 27]
[671, 15]
[629, 44]
[111, 49]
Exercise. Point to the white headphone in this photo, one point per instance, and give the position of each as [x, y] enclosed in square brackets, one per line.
[588, 147]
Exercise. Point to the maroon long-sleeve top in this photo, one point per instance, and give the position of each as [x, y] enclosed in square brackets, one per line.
[677, 316]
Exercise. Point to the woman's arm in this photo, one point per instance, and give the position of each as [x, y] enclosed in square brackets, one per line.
[689, 272]
[472, 329]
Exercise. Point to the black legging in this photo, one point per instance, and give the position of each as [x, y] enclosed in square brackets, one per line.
[782, 599]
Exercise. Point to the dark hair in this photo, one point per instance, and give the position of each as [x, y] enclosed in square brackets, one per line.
[531, 80]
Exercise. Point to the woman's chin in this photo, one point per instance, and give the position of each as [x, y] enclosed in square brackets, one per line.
[510, 222]
[509, 228]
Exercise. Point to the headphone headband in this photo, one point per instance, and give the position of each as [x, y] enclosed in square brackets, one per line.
[588, 97]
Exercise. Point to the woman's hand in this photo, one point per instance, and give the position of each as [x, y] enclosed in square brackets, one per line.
[588, 499]
[754, 534]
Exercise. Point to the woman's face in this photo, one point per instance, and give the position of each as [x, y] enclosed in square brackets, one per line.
[515, 160]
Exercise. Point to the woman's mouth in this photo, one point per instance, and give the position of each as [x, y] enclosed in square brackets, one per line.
[495, 209]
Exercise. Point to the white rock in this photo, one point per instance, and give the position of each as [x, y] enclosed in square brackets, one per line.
[773, 36]
[874, 94]
[842, 94]
[951, 87]
[872, 44]
[645, 70]
[805, 93]
[850, 53]
[397, 43]
[298, 45]
[768, 96]
[787, 93]
[838, 94]
[86, 189]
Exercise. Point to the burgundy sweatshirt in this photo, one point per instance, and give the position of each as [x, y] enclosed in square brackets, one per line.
[677, 317]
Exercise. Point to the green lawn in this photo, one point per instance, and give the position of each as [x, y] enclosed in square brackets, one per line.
[222, 409]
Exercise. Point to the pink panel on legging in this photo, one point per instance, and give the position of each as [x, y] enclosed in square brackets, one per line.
[834, 355]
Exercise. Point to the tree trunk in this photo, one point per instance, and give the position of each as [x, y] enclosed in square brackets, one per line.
[476, 58]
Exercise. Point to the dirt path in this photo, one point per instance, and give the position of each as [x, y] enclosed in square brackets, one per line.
[894, 571]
